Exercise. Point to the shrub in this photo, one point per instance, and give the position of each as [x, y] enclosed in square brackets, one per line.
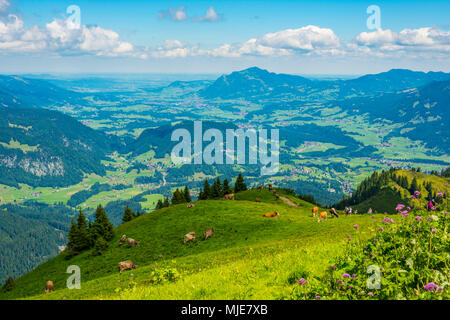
[406, 259]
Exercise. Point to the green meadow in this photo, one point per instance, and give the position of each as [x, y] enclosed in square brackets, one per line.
[248, 257]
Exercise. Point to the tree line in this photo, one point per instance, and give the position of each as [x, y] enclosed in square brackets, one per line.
[209, 192]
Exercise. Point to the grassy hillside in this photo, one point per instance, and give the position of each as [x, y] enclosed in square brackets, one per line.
[385, 197]
[249, 256]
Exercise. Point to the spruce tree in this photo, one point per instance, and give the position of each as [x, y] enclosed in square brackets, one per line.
[187, 194]
[72, 236]
[82, 234]
[100, 246]
[102, 227]
[159, 205]
[178, 197]
[9, 285]
[226, 187]
[206, 192]
[166, 203]
[216, 190]
[127, 215]
[414, 186]
[240, 184]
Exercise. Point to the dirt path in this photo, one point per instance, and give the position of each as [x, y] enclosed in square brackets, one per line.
[288, 201]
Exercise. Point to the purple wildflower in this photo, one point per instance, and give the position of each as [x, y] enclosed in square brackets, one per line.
[302, 281]
[431, 286]
[345, 275]
[419, 218]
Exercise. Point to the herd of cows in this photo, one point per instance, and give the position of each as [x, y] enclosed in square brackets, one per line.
[191, 236]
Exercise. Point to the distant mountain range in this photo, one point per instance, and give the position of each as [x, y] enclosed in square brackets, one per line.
[20, 92]
[42, 148]
[47, 148]
[256, 83]
[424, 111]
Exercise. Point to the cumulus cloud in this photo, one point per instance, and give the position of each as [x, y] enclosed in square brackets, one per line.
[174, 14]
[61, 37]
[4, 5]
[176, 49]
[305, 40]
[408, 41]
[210, 16]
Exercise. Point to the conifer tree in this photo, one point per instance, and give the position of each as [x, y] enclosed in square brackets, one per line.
[414, 186]
[226, 187]
[240, 184]
[206, 192]
[159, 204]
[82, 234]
[166, 203]
[9, 285]
[128, 215]
[187, 194]
[72, 235]
[100, 246]
[102, 227]
[216, 190]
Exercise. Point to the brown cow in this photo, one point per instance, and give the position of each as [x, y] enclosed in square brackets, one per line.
[229, 196]
[315, 211]
[123, 240]
[257, 200]
[322, 216]
[133, 243]
[189, 237]
[127, 265]
[334, 212]
[190, 205]
[49, 286]
[271, 214]
[208, 233]
[260, 188]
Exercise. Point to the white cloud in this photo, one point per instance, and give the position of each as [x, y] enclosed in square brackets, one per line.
[176, 49]
[174, 14]
[305, 40]
[4, 5]
[210, 16]
[62, 37]
[411, 42]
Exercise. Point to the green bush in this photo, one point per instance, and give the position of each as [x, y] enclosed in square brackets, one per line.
[164, 275]
[408, 257]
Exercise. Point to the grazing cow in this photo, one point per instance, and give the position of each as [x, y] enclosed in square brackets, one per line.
[190, 205]
[133, 243]
[260, 188]
[190, 236]
[123, 240]
[271, 214]
[257, 200]
[127, 265]
[270, 187]
[315, 211]
[208, 233]
[49, 286]
[334, 212]
[229, 196]
[322, 216]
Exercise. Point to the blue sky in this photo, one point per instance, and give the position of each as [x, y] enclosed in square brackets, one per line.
[304, 37]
